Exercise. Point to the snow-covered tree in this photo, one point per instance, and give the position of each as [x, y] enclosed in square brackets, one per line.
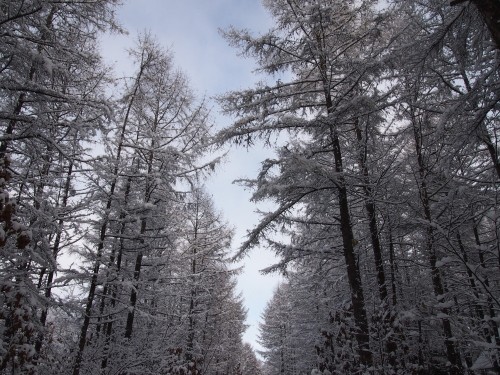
[51, 103]
[389, 172]
[331, 53]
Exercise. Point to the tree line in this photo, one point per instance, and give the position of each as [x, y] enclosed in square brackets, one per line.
[386, 186]
[113, 259]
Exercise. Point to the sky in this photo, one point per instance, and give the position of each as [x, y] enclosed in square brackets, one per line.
[190, 29]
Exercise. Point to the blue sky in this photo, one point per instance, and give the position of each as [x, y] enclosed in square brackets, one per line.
[190, 29]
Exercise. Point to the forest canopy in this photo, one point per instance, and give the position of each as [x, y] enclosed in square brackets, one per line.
[386, 187]
[386, 191]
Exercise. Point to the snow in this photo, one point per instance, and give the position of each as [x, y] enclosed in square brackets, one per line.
[444, 305]
[442, 316]
[482, 362]
[17, 226]
[444, 261]
[406, 315]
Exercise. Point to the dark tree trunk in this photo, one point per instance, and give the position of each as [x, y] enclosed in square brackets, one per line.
[452, 354]
[113, 289]
[353, 274]
[133, 295]
[138, 261]
[490, 10]
[371, 213]
[55, 251]
[103, 230]
[392, 262]
[491, 309]
[348, 241]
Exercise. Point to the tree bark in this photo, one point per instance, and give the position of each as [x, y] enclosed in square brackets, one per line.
[113, 289]
[491, 309]
[353, 274]
[55, 251]
[490, 10]
[452, 354]
[140, 253]
[104, 226]
[371, 213]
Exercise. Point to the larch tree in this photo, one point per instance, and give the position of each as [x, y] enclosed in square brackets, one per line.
[445, 97]
[160, 294]
[328, 52]
[50, 103]
[391, 163]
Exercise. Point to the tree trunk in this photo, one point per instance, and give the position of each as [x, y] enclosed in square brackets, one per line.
[491, 310]
[371, 213]
[370, 207]
[113, 289]
[138, 261]
[103, 229]
[55, 251]
[353, 274]
[490, 10]
[451, 352]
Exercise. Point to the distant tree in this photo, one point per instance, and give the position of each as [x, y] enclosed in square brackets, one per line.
[250, 364]
[207, 240]
[275, 334]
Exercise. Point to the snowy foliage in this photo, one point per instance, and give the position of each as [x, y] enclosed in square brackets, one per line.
[114, 187]
[386, 193]
[387, 190]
